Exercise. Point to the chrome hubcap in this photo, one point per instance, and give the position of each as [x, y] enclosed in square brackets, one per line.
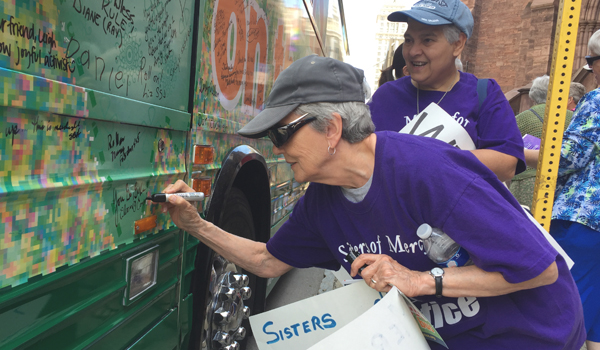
[225, 309]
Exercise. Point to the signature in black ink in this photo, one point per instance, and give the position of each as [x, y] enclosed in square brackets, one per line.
[123, 152]
[206, 88]
[12, 129]
[133, 200]
[74, 129]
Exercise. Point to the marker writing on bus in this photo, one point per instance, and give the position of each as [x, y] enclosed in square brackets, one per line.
[188, 196]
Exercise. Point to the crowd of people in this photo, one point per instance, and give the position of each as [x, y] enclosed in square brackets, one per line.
[531, 122]
[370, 181]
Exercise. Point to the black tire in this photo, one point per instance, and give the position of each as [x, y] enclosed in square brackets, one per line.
[236, 219]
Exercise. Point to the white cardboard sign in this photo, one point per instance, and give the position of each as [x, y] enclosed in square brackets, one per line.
[389, 325]
[339, 315]
[436, 123]
[299, 325]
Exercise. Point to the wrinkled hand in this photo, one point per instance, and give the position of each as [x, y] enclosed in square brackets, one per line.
[387, 272]
[183, 214]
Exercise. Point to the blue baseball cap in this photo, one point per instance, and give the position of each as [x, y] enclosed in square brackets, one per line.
[437, 13]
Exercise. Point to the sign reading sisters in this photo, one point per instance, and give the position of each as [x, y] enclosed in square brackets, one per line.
[351, 317]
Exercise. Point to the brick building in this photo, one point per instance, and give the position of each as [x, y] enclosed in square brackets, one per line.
[512, 40]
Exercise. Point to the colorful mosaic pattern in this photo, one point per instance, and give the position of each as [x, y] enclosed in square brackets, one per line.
[84, 135]
[44, 230]
[29, 92]
[73, 187]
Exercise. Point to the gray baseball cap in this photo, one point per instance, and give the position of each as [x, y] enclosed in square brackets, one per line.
[307, 80]
[437, 13]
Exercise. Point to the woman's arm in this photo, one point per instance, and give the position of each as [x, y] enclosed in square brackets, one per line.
[502, 164]
[457, 282]
[531, 157]
[581, 141]
[250, 255]
[473, 281]
[498, 139]
[576, 152]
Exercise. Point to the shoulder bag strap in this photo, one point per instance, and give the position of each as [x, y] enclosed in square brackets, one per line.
[482, 90]
[537, 115]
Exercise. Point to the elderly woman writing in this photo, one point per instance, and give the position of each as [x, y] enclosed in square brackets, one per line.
[436, 35]
[370, 192]
[576, 213]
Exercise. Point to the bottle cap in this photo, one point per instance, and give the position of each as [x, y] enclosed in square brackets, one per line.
[424, 231]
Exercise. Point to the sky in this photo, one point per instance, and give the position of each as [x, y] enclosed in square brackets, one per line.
[360, 22]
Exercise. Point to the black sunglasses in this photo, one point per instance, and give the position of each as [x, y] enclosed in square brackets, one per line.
[280, 135]
[590, 60]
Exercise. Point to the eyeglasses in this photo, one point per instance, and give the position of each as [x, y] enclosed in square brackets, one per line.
[590, 60]
[280, 135]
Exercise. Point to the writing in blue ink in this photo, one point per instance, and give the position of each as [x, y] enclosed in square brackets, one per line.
[315, 323]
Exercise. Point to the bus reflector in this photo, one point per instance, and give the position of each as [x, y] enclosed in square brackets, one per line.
[144, 224]
[203, 154]
[141, 274]
[202, 184]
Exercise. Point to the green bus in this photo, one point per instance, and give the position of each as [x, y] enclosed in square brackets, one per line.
[106, 102]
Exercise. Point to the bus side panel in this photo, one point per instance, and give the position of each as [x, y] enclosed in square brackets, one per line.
[138, 50]
[73, 187]
[94, 117]
[76, 306]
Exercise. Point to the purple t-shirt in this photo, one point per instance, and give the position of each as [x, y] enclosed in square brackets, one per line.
[421, 180]
[394, 104]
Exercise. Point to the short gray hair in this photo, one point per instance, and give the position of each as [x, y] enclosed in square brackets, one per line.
[594, 44]
[451, 32]
[539, 89]
[356, 118]
[576, 91]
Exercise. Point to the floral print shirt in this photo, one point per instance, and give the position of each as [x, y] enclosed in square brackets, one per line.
[578, 186]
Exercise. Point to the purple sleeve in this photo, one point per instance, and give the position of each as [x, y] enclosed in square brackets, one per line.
[298, 245]
[498, 235]
[385, 109]
[497, 128]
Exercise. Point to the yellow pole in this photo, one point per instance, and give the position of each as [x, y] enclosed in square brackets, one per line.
[556, 108]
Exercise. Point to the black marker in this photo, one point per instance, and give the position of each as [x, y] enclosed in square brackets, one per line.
[351, 257]
[188, 196]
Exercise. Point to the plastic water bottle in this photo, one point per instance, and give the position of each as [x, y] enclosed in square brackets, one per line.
[442, 249]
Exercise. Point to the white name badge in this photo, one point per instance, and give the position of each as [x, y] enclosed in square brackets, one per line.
[436, 123]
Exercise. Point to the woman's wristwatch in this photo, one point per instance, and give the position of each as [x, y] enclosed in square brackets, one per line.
[438, 274]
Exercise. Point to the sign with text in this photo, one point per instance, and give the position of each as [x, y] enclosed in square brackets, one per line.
[300, 325]
[436, 123]
[387, 325]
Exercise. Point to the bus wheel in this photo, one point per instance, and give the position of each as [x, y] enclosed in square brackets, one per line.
[229, 298]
